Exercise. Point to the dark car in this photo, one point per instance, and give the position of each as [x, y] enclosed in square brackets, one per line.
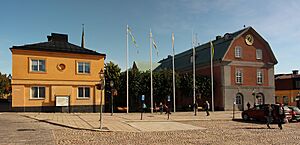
[258, 112]
[295, 113]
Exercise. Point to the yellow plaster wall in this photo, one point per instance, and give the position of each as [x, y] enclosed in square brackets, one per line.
[21, 70]
[56, 82]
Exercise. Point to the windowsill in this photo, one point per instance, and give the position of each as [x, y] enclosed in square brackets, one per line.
[83, 73]
[37, 99]
[38, 72]
[83, 98]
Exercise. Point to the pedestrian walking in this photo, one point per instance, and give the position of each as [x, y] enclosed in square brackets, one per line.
[167, 109]
[161, 107]
[269, 115]
[280, 116]
[206, 108]
[248, 105]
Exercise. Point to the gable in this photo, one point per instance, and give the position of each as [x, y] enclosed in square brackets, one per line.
[248, 52]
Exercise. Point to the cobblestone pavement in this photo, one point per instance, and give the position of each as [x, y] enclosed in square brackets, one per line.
[216, 132]
[16, 129]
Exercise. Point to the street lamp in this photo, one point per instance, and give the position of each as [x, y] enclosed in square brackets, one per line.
[102, 83]
[111, 83]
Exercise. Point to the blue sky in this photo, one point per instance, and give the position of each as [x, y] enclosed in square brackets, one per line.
[30, 21]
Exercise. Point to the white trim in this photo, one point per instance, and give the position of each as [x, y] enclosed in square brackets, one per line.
[259, 55]
[238, 55]
[259, 71]
[84, 97]
[38, 98]
[83, 67]
[238, 73]
[38, 64]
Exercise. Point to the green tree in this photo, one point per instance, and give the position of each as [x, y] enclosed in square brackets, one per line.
[5, 85]
[112, 74]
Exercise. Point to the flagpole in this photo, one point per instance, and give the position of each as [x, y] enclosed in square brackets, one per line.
[194, 75]
[127, 92]
[151, 88]
[212, 78]
[173, 73]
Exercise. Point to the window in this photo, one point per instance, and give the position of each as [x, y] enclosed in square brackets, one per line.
[83, 92]
[37, 65]
[259, 77]
[297, 84]
[238, 76]
[38, 92]
[258, 54]
[238, 52]
[238, 99]
[83, 67]
[277, 99]
[285, 100]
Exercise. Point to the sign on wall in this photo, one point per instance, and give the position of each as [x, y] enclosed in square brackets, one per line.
[62, 100]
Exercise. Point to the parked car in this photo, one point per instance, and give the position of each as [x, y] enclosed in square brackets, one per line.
[288, 113]
[296, 113]
[258, 112]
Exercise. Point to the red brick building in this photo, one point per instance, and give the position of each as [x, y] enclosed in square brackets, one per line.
[243, 67]
[288, 88]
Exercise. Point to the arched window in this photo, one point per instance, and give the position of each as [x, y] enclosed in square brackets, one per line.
[259, 98]
[238, 99]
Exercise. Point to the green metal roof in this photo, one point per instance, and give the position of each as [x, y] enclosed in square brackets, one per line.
[183, 60]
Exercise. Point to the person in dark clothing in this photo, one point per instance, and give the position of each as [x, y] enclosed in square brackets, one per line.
[248, 105]
[280, 116]
[206, 108]
[167, 109]
[269, 115]
[161, 107]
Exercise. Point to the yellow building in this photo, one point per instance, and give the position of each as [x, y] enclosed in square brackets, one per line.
[56, 76]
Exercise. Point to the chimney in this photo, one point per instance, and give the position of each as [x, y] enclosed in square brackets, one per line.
[58, 37]
[295, 72]
[218, 37]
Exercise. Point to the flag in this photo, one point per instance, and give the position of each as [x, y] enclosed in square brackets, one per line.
[212, 49]
[154, 44]
[132, 38]
[173, 39]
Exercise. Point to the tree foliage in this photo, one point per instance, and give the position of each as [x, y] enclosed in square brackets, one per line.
[139, 84]
[5, 84]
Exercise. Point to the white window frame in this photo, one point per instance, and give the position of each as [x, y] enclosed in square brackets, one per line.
[38, 65]
[259, 55]
[83, 97]
[259, 77]
[83, 67]
[38, 93]
[238, 99]
[238, 52]
[238, 76]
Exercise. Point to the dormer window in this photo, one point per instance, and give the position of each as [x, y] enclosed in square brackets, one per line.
[238, 52]
[259, 54]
